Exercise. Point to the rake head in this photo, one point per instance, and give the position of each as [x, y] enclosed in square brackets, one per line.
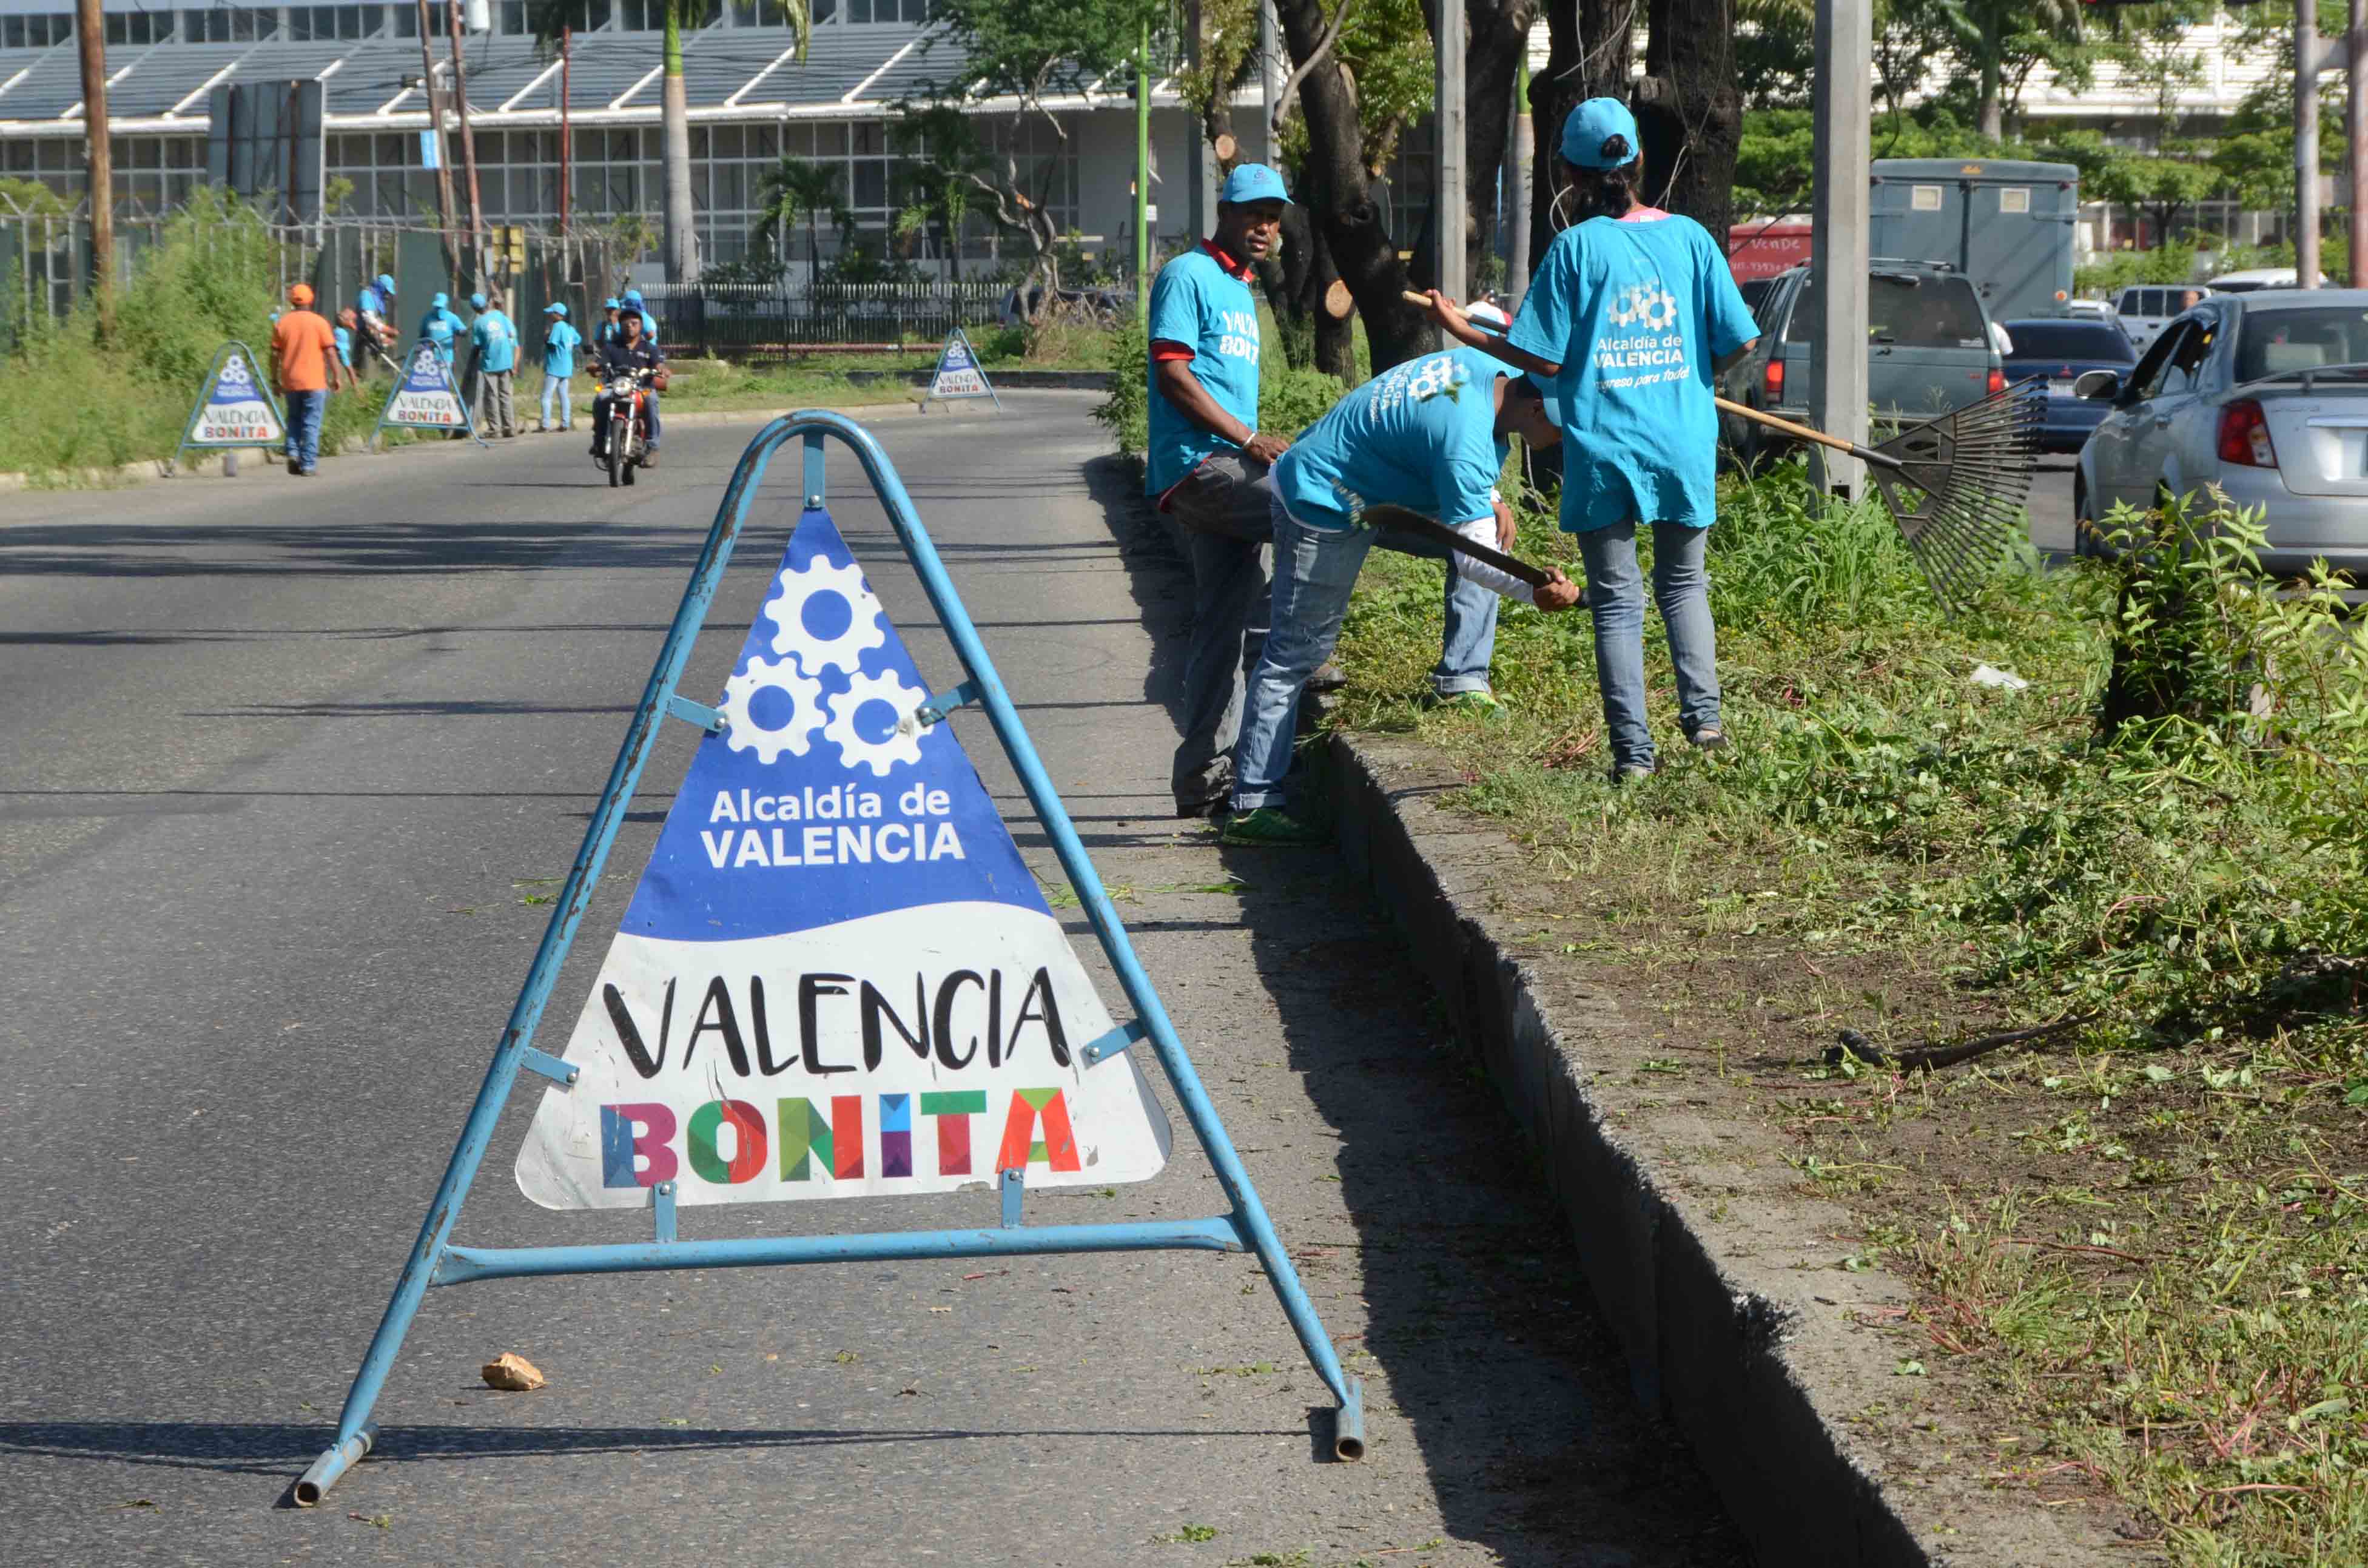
[1958, 492]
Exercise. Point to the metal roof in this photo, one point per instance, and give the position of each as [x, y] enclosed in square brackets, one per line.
[732, 73]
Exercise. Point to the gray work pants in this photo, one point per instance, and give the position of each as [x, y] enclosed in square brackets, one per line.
[496, 409]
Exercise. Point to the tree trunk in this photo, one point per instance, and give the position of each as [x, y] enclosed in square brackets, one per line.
[1334, 336]
[1690, 112]
[1343, 206]
[682, 230]
[1492, 63]
[1990, 117]
[1287, 278]
[1588, 56]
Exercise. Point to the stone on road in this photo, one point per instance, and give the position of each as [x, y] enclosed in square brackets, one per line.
[291, 773]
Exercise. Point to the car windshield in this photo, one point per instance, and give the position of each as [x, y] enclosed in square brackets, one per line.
[2305, 337]
[1914, 312]
[2100, 341]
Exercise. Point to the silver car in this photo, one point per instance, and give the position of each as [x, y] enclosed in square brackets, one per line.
[2263, 395]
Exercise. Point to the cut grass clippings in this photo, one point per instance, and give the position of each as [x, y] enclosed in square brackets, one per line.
[2139, 1246]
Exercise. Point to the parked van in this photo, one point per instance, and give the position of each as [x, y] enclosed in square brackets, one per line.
[2144, 308]
[1930, 349]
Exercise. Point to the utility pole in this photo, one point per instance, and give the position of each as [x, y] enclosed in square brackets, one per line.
[1517, 190]
[567, 135]
[1451, 215]
[1143, 171]
[1844, 51]
[98, 158]
[2306, 62]
[441, 145]
[2355, 132]
[468, 144]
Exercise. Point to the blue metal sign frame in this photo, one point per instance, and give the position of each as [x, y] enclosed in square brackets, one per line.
[468, 415]
[205, 390]
[436, 1260]
[984, 378]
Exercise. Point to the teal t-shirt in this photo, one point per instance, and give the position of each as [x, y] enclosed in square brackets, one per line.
[1197, 303]
[1634, 313]
[496, 342]
[1422, 434]
[440, 327]
[558, 349]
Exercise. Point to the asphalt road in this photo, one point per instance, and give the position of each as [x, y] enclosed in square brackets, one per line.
[288, 767]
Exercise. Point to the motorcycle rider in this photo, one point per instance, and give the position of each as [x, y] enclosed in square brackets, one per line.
[619, 356]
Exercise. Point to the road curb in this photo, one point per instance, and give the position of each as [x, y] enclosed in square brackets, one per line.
[1769, 1371]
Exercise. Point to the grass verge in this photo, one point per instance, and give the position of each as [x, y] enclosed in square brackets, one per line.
[2139, 1243]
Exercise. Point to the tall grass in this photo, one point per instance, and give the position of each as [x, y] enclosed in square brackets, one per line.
[81, 401]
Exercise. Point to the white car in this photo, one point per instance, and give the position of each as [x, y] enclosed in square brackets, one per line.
[2263, 396]
[2145, 307]
[2090, 309]
[2256, 277]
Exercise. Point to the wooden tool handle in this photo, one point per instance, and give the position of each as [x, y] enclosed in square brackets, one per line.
[1405, 522]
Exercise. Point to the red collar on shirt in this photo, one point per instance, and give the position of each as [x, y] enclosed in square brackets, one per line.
[1234, 268]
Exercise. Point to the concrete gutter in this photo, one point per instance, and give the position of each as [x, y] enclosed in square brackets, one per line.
[1716, 1272]
[1003, 380]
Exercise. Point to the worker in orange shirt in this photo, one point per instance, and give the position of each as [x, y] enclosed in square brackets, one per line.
[304, 368]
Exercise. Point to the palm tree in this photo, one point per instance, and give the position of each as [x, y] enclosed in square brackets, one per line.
[552, 17]
[794, 189]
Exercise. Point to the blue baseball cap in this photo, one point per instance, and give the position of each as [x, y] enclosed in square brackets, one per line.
[440, 300]
[1254, 182]
[476, 301]
[633, 297]
[610, 305]
[1593, 123]
[385, 284]
[554, 310]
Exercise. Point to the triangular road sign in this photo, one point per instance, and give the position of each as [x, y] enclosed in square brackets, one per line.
[235, 408]
[957, 373]
[426, 398]
[837, 977]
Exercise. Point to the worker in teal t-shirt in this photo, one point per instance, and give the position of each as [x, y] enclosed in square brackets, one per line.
[442, 328]
[560, 342]
[1626, 324]
[493, 344]
[1428, 436]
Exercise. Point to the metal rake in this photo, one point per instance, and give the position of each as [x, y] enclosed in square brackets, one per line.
[1955, 485]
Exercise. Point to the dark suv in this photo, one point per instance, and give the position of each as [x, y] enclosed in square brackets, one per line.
[1930, 349]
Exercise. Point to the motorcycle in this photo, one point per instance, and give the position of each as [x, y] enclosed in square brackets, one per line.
[629, 424]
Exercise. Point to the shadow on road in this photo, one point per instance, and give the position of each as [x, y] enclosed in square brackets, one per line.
[1480, 1333]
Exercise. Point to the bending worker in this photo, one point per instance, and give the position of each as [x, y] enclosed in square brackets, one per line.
[1625, 325]
[1428, 436]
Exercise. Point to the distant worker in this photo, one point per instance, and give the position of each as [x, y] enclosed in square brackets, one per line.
[1427, 436]
[304, 368]
[607, 330]
[347, 326]
[622, 355]
[469, 368]
[560, 342]
[634, 301]
[375, 307]
[442, 328]
[494, 345]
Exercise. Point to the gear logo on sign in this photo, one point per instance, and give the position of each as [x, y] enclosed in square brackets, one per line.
[806, 603]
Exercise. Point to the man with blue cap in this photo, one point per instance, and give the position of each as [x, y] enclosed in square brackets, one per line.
[1205, 459]
[633, 302]
[374, 310]
[1427, 436]
[494, 346]
[1626, 324]
[607, 329]
[560, 342]
[442, 328]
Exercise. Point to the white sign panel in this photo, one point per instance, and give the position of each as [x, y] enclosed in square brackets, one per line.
[234, 411]
[835, 978]
[427, 397]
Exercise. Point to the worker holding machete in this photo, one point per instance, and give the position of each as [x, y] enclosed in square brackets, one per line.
[1427, 437]
[1628, 318]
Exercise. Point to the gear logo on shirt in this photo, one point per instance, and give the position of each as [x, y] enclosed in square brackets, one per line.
[1647, 304]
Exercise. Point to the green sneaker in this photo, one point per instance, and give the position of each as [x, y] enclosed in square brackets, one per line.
[1270, 826]
[1478, 704]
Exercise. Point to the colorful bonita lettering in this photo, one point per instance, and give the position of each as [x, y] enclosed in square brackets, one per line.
[836, 976]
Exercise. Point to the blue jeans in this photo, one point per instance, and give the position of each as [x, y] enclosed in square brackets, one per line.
[1315, 571]
[1470, 642]
[650, 409]
[1615, 596]
[559, 385]
[304, 411]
